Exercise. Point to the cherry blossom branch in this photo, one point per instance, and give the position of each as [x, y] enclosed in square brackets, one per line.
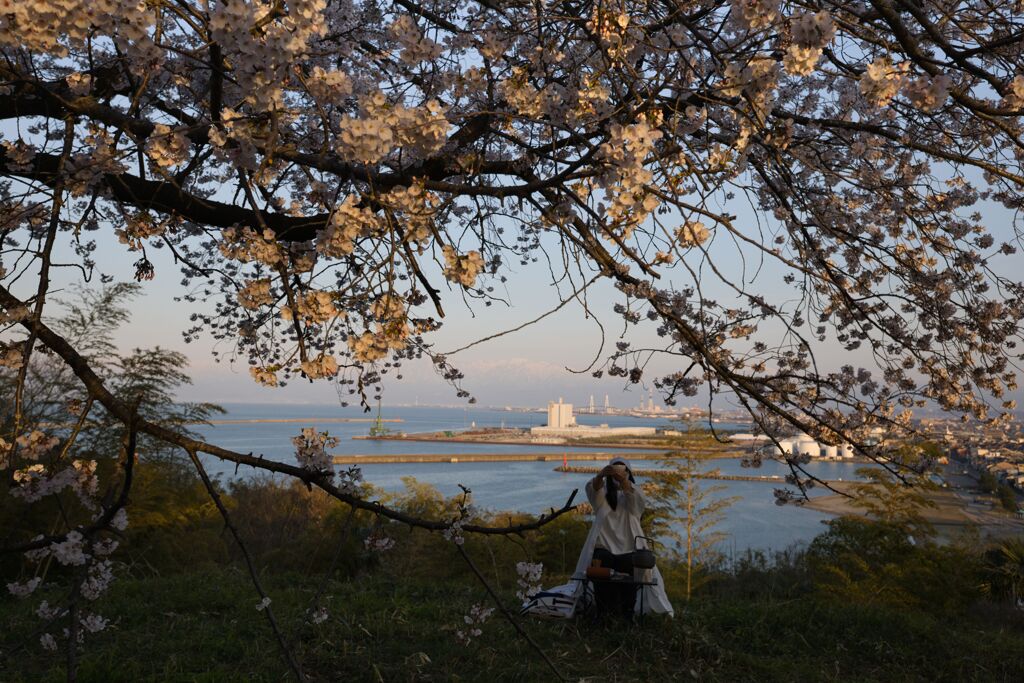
[118, 409]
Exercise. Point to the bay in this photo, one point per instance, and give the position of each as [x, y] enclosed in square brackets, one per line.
[754, 522]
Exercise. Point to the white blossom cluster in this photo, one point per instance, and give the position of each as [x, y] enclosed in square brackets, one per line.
[529, 578]
[311, 449]
[168, 147]
[348, 222]
[754, 15]
[139, 227]
[328, 87]
[478, 615]
[378, 542]
[629, 201]
[313, 306]
[882, 80]
[247, 245]
[462, 268]
[811, 32]
[414, 45]
[453, 532]
[350, 480]
[384, 127]
[11, 356]
[692, 234]
[927, 92]
[255, 293]
[321, 366]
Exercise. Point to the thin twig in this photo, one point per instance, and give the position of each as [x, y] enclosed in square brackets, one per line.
[508, 615]
[292, 663]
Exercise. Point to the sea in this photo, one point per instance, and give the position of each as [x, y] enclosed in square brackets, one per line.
[752, 522]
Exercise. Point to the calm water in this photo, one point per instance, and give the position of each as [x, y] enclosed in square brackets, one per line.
[752, 522]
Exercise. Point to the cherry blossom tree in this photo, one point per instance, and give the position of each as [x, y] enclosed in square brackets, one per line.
[330, 175]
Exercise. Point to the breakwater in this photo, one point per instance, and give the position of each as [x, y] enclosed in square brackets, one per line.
[303, 420]
[540, 443]
[476, 457]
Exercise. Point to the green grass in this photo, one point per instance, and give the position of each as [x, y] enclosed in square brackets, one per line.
[204, 626]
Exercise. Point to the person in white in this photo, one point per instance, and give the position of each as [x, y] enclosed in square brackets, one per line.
[618, 505]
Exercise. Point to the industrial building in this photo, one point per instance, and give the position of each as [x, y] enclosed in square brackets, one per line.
[562, 423]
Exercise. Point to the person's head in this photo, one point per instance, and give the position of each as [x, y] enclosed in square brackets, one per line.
[611, 485]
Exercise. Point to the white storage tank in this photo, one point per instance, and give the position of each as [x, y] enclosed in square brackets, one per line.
[830, 451]
[808, 447]
[786, 446]
[846, 450]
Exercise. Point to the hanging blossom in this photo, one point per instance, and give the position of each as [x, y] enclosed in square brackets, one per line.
[324, 365]
[811, 32]
[384, 127]
[378, 542]
[692, 234]
[453, 532]
[11, 356]
[462, 268]
[328, 87]
[317, 615]
[628, 200]
[882, 80]
[24, 589]
[264, 376]
[529, 578]
[415, 46]
[247, 245]
[478, 614]
[350, 480]
[349, 221]
[255, 293]
[311, 449]
[313, 306]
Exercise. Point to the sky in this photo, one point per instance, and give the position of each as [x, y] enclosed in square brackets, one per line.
[525, 368]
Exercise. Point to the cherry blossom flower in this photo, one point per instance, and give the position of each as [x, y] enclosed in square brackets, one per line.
[462, 268]
[311, 449]
[478, 614]
[529, 578]
[22, 590]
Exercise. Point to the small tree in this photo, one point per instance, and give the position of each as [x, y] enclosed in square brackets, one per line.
[685, 510]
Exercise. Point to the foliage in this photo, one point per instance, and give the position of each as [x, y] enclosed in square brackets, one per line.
[685, 510]
[1008, 497]
[878, 563]
[1003, 572]
[893, 500]
[89, 319]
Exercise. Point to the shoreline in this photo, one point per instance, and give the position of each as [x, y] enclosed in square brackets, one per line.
[952, 515]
